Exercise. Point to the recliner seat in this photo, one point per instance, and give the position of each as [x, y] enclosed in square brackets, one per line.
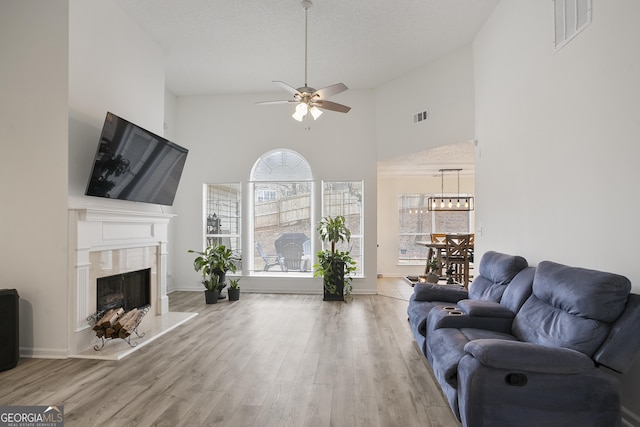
[545, 371]
[496, 270]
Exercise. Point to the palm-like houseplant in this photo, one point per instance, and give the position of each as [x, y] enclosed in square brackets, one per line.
[213, 263]
[336, 267]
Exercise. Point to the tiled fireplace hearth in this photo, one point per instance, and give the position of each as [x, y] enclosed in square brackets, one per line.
[106, 243]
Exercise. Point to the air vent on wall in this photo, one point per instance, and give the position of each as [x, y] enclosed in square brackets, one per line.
[419, 117]
[570, 17]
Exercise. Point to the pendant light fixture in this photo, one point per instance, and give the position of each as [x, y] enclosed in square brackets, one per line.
[450, 202]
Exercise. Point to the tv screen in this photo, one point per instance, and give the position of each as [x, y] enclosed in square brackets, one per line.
[134, 164]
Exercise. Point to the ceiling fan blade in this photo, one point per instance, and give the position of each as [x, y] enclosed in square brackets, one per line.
[275, 102]
[290, 89]
[333, 106]
[328, 91]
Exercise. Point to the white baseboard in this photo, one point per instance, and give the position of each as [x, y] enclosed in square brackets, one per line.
[43, 353]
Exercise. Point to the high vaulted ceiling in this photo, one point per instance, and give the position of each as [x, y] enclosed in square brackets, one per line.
[240, 46]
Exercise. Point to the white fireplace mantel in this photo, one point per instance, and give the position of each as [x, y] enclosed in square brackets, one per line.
[97, 233]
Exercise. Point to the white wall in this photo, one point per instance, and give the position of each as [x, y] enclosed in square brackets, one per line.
[113, 66]
[445, 88]
[559, 137]
[64, 64]
[227, 134]
[33, 169]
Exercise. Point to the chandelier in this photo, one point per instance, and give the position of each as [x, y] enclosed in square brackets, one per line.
[450, 202]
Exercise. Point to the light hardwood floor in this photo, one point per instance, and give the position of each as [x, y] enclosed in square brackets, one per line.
[266, 360]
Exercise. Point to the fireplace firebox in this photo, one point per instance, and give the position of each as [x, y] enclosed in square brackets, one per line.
[126, 290]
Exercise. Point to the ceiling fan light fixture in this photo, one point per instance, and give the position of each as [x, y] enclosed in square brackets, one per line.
[297, 116]
[308, 98]
[302, 109]
[315, 112]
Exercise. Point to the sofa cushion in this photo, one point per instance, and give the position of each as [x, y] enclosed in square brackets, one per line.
[564, 309]
[495, 272]
[586, 293]
[518, 290]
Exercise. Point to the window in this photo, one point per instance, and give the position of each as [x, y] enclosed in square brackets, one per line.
[265, 195]
[345, 198]
[223, 215]
[416, 223]
[282, 192]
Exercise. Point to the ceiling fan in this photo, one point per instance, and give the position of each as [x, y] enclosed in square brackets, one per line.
[310, 100]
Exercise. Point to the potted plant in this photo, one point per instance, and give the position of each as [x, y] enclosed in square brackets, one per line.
[334, 266]
[432, 266]
[234, 290]
[214, 262]
[212, 293]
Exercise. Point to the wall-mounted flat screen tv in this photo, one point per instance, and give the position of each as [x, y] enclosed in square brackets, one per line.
[134, 164]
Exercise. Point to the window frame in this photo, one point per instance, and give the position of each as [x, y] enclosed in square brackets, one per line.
[210, 235]
[359, 235]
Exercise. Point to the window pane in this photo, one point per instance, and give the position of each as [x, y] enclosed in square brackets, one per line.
[345, 198]
[414, 225]
[283, 218]
[223, 211]
[451, 222]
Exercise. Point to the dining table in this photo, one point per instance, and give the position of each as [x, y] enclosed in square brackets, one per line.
[437, 248]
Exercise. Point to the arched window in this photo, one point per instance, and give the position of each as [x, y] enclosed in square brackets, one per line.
[281, 165]
[282, 185]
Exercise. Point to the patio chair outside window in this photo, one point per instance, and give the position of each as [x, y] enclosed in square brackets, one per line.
[269, 260]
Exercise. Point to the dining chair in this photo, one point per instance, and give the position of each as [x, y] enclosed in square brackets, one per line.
[457, 258]
[438, 237]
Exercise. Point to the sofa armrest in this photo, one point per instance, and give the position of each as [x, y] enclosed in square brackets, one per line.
[524, 356]
[478, 308]
[454, 317]
[435, 292]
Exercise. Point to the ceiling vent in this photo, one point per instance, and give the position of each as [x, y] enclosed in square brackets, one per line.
[570, 17]
[420, 117]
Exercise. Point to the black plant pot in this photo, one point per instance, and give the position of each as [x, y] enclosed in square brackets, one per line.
[234, 294]
[335, 280]
[211, 297]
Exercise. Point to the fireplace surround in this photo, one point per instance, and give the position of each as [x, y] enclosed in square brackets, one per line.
[105, 243]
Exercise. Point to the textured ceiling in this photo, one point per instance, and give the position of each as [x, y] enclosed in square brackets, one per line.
[236, 46]
[429, 162]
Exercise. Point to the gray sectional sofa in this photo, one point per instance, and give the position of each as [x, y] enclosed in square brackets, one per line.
[529, 346]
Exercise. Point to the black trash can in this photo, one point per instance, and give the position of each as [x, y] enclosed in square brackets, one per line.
[9, 339]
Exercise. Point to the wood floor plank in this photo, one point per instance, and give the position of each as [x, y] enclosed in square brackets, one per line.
[266, 360]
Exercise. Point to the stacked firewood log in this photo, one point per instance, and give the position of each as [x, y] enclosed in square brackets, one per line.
[116, 323]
